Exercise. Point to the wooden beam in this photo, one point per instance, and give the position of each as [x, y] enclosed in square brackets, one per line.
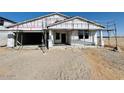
[116, 39]
[16, 38]
[21, 38]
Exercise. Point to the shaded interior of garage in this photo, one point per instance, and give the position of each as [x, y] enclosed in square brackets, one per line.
[30, 38]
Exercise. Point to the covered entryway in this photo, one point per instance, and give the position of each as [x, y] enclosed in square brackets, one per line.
[60, 37]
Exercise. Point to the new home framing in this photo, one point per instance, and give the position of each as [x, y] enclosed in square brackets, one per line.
[53, 30]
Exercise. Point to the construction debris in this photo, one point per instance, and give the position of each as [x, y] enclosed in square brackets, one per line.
[117, 49]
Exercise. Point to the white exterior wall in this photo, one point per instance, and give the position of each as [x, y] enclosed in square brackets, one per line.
[10, 40]
[73, 37]
[74, 40]
[75, 24]
[101, 39]
[95, 37]
[51, 39]
[4, 34]
[7, 23]
[3, 38]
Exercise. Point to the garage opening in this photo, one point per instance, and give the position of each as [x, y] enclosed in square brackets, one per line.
[30, 38]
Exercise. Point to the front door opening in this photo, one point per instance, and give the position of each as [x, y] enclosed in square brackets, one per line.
[63, 38]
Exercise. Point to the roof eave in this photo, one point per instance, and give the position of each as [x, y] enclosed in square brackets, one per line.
[79, 18]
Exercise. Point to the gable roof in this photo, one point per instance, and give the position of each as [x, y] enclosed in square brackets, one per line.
[77, 17]
[7, 20]
[30, 20]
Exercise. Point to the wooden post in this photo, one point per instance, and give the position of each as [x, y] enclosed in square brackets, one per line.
[21, 39]
[46, 38]
[116, 36]
[108, 38]
[84, 37]
[17, 37]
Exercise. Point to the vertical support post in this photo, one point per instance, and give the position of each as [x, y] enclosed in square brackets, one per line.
[101, 38]
[108, 33]
[92, 36]
[42, 39]
[46, 39]
[84, 37]
[95, 38]
[50, 41]
[108, 38]
[21, 39]
[116, 36]
[17, 38]
[10, 40]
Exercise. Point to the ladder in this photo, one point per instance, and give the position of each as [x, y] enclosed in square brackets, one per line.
[110, 26]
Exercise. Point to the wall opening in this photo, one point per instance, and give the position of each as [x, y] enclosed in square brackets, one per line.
[30, 38]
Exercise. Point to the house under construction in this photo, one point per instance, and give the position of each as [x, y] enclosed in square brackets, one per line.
[55, 29]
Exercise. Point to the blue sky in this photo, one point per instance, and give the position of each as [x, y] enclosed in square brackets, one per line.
[118, 17]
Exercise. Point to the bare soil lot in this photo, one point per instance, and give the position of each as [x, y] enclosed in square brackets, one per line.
[112, 42]
[62, 64]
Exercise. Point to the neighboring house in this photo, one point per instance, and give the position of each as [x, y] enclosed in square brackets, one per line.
[55, 29]
[3, 30]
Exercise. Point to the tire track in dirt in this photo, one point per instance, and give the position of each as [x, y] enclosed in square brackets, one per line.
[100, 69]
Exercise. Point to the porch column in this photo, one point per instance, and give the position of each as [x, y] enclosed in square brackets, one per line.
[95, 37]
[51, 39]
[101, 38]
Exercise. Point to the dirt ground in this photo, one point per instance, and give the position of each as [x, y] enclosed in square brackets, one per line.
[62, 64]
[113, 43]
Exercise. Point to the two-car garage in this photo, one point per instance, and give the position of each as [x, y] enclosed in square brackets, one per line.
[29, 38]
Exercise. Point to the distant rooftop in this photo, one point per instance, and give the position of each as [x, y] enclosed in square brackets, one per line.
[7, 20]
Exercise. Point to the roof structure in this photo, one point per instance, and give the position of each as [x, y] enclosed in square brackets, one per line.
[30, 20]
[77, 17]
[59, 22]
